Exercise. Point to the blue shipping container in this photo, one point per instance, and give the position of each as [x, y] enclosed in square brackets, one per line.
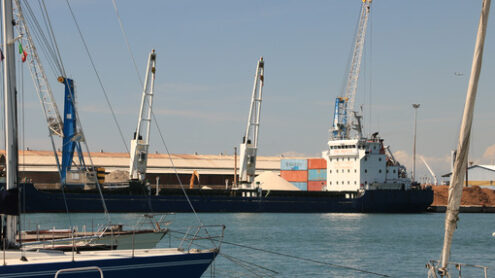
[301, 185]
[317, 175]
[294, 164]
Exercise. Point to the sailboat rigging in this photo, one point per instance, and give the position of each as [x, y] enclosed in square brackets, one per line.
[185, 262]
[458, 174]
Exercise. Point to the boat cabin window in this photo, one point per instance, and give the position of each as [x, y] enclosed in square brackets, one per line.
[379, 171]
[379, 159]
[366, 170]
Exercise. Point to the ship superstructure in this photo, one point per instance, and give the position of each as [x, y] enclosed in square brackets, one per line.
[363, 164]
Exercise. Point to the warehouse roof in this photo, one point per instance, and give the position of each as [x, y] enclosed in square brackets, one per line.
[44, 161]
[486, 167]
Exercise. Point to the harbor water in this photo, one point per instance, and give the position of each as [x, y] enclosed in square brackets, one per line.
[319, 245]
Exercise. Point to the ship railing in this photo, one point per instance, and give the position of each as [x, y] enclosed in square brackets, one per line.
[158, 221]
[196, 235]
[435, 272]
[79, 269]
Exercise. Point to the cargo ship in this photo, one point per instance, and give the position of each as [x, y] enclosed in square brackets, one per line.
[360, 176]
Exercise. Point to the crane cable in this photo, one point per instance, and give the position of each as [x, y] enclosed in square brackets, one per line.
[124, 34]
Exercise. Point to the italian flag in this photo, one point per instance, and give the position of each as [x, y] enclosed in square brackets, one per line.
[23, 53]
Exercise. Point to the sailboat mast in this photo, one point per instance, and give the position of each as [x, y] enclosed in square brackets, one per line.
[10, 110]
[456, 183]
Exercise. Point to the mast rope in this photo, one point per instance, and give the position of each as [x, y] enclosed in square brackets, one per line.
[293, 256]
[97, 75]
[124, 34]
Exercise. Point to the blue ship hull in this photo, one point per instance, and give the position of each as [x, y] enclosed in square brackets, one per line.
[173, 200]
[184, 265]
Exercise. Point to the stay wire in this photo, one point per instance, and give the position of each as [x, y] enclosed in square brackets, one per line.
[299, 258]
[124, 34]
[175, 170]
[97, 75]
[249, 266]
[39, 34]
[50, 29]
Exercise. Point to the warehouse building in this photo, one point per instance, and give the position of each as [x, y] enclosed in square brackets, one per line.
[214, 170]
[480, 175]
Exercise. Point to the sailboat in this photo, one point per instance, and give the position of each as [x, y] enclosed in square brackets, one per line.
[457, 180]
[168, 262]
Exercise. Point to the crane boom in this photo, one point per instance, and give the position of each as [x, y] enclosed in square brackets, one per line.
[249, 145]
[431, 171]
[140, 145]
[43, 89]
[344, 104]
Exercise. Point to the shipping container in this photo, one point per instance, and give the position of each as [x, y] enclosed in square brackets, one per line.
[298, 176]
[317, 174]
[301, 185]
[316, 185]
[293, 164]
[317, 163]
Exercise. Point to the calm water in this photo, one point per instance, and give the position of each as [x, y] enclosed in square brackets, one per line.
[396, 245]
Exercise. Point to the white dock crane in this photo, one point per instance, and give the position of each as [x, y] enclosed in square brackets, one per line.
[249, 145]
[344, 105]
[431, 171]
[140, 144]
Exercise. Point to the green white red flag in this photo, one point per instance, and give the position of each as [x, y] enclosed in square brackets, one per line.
[23, 53]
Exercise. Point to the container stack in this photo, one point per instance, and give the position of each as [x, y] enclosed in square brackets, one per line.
[317, 174]
[295, 171]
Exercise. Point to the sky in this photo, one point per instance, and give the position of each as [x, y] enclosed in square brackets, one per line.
[416, 52]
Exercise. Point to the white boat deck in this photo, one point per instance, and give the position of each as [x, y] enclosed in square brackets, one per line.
[14, 257]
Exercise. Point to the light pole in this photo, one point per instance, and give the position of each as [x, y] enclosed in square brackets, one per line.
[415, 106]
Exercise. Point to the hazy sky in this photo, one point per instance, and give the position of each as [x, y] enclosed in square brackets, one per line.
[206, 58]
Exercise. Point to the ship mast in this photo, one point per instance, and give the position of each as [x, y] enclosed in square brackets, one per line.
[10, 110]
[249, 145]
[140, 144]
[456, 183]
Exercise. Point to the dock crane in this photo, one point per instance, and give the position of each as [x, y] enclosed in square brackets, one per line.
[249, 145]
[344, 104]
[67, 129]
[430, 170]
[140, 144]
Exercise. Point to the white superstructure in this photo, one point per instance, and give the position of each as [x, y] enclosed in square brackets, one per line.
[363, 164]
